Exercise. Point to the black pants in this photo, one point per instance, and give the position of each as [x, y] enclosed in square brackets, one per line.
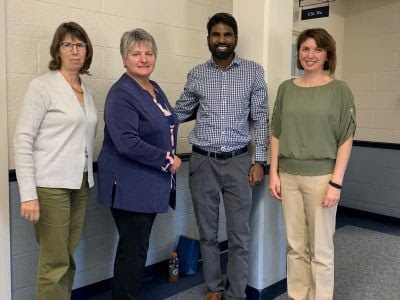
[134, 232]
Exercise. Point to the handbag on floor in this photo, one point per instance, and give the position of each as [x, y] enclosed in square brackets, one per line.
[188, 250]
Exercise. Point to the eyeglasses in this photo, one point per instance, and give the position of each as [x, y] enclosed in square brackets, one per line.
[67, 46]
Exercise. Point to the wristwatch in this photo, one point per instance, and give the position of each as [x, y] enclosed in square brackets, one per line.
[261, 163]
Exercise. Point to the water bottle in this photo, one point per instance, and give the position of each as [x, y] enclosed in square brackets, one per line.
[173, 268]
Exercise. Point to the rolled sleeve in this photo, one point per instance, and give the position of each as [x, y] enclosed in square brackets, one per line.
[347, 127]
[276, 115]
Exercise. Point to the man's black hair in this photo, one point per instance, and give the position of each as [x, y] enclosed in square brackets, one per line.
[223, 18]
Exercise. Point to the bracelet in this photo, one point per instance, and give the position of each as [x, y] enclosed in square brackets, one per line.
[335, 185]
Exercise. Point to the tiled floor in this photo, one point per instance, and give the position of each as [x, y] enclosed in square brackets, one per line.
[158, 287]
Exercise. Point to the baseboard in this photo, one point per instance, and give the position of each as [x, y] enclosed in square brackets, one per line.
[104, 286]
[151, 272]
[271, 292]
[371, 215]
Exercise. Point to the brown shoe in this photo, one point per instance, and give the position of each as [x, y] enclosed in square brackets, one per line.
[214, 296]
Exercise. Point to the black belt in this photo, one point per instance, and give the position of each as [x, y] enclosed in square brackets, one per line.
[219, 155]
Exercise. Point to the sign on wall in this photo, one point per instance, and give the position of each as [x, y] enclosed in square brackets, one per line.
[313, 9]
[315, 12]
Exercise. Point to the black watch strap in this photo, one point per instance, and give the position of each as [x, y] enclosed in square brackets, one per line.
[335, 185]
[261, 163]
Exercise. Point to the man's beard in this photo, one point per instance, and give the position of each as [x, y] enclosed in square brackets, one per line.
[221, 54]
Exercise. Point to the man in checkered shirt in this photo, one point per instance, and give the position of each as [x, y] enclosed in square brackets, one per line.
[225, 95]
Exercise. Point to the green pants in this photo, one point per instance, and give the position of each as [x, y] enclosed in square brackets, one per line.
[62, 214]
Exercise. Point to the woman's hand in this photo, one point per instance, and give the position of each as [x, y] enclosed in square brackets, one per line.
[275, 186]
[274, 180]
[332, 197]
[30, 210]
[176, 165]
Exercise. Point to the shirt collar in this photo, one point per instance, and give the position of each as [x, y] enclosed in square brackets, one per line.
[237, 61]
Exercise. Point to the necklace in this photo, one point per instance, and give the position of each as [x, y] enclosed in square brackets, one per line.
[79, 91]
[76, 90]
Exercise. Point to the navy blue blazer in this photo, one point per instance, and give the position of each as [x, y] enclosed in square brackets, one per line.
[136, 140]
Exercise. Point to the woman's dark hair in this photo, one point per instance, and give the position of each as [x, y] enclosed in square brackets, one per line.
[323, 40]
[223, 18]
[76, 31]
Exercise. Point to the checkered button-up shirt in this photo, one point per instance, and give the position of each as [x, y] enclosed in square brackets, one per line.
[225, 103]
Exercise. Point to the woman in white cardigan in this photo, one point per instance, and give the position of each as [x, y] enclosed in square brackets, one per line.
[53, 144]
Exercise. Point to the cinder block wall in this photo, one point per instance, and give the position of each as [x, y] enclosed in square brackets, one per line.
[371, 66]
[179, 29]
[177, 25]
[372, 181]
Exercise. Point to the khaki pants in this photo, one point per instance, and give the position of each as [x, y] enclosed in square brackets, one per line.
[309, 234]
[62, 214]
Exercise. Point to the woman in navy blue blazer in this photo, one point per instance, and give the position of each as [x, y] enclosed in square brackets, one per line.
[137, 163]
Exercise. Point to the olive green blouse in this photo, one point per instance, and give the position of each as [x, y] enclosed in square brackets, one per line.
[310, 124]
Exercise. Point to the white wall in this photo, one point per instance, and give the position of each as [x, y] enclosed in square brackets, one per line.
[371, 66]
[5, 287]
[265, 36]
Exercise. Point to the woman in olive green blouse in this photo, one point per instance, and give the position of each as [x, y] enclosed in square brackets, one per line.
[313, 125]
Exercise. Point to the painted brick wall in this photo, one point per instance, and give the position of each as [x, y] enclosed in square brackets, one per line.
[177, 25]
[372, 181]
[371, 66]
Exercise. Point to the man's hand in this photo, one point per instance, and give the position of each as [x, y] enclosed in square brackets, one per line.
[30, 210]
[256, 174]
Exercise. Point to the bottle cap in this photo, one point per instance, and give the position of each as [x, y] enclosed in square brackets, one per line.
[174, 255]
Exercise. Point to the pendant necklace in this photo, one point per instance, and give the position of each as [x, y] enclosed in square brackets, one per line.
[76, 90]
[80, 91]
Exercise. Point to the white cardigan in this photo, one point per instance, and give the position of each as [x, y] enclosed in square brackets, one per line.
[51, 135]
